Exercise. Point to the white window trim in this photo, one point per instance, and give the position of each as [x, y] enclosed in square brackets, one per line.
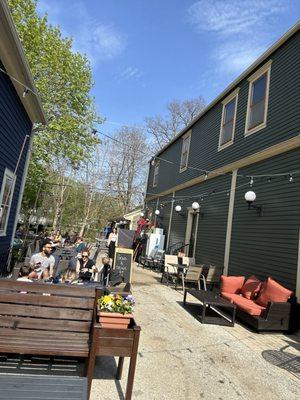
[11, 175]
[188, 134]
[155, 165]
[233, 95]
[266, 68]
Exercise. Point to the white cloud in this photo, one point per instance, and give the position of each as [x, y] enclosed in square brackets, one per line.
[242, 29]
[99, 41]
[235, 16]
[129, 73]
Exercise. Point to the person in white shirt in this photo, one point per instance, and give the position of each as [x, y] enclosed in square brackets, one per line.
[24, 274]
[43, 263]
[112, 238]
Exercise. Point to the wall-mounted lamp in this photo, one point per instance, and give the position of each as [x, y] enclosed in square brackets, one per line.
[142, 214]
[250, 197]
[195, 206]
[178, 209]
[157, 212]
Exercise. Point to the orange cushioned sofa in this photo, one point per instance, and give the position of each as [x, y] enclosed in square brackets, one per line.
[265, 306]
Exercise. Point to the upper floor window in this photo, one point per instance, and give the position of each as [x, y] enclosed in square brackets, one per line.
[155, 173]
[258, 99]
[186, 140]
[6, 195]
[228, 120]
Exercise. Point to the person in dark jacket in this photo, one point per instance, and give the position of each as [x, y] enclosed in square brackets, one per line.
[85, 268]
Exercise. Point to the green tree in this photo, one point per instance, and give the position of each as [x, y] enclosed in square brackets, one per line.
[63, 79]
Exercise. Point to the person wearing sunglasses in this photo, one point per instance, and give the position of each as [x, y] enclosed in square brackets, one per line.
[85, 267]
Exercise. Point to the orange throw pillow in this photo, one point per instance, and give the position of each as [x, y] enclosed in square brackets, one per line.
[232, 284]
[273, 291]
[251, 287]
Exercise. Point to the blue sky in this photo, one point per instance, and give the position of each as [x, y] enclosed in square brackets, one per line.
[145, 54]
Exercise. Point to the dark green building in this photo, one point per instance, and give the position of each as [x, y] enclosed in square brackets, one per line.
[247, 139]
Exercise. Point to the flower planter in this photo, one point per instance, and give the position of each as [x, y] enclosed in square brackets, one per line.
[114, 320]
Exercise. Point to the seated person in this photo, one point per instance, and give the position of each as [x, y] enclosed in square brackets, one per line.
[105, 270]
[80, 245]
[24, 274]
[85, 268]
[42, 263]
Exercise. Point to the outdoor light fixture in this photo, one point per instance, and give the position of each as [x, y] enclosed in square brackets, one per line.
[142, 214]
[195, 206]
[178, 209]
[250, 197]
[157, 212]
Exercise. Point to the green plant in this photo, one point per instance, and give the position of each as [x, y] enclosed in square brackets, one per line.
[116, 303]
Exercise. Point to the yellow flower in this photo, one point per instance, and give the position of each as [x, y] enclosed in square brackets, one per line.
[106, 299]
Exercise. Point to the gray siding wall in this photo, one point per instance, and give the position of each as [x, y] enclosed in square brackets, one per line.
[14, 126]
[210, 242]
[283, 122]
[268, 245]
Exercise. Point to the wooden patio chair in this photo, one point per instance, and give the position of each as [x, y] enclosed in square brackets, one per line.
[193, 275]
[212, 277]
[169, 271]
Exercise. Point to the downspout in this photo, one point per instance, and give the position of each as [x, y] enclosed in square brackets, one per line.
[22, 187]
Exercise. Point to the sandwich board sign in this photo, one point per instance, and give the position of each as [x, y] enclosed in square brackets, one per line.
[123, 263]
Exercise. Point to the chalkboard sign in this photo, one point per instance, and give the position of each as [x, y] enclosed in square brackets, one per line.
[123, 263]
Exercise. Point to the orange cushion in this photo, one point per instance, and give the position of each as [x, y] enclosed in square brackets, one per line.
[273, 291]
[251, 287]
[232, 284]
[228, 296]
[249, 306]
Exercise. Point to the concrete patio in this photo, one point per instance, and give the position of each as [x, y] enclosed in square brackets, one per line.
[179, 358]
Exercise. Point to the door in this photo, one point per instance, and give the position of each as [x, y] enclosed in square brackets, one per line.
[191, 232]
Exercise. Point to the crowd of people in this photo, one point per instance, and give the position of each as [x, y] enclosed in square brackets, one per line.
[80, 267]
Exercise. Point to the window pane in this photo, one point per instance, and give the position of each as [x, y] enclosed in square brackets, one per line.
[227, 132]
[229, 111]
[3, 217]
[7, 191]
[257, 114]
[259, 89]
[183, 160]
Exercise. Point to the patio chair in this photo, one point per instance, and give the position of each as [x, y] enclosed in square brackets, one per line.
[188, 261]
[212, 277]
[192, 275]
[169, 271]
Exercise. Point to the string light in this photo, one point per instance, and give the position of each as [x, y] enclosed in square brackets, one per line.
[269, 180]
[251, 181]
[291, 178]
[205, 176]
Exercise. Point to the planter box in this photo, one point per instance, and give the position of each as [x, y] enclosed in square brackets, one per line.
[114, 320]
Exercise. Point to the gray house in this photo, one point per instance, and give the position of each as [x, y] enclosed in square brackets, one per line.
[246, 140]
[20, 108]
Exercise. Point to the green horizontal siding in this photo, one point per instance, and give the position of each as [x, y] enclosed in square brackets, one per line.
[268, 245]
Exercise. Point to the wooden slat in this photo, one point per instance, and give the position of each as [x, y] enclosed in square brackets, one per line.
[39, 324]
[39, 287]
[116, 351]
[107, 333]
[44, 351]
[45, 312]
[28, 333]
[115, 342]
[51, 301]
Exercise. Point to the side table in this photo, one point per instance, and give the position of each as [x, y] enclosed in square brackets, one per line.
[118, 343]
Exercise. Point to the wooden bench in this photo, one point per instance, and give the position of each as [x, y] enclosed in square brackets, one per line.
[44, 319]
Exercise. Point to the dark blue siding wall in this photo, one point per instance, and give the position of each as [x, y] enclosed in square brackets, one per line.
[283, 123]
[14, 126]
[268, 244]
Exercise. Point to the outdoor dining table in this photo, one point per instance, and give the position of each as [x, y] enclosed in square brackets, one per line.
[178, 269]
